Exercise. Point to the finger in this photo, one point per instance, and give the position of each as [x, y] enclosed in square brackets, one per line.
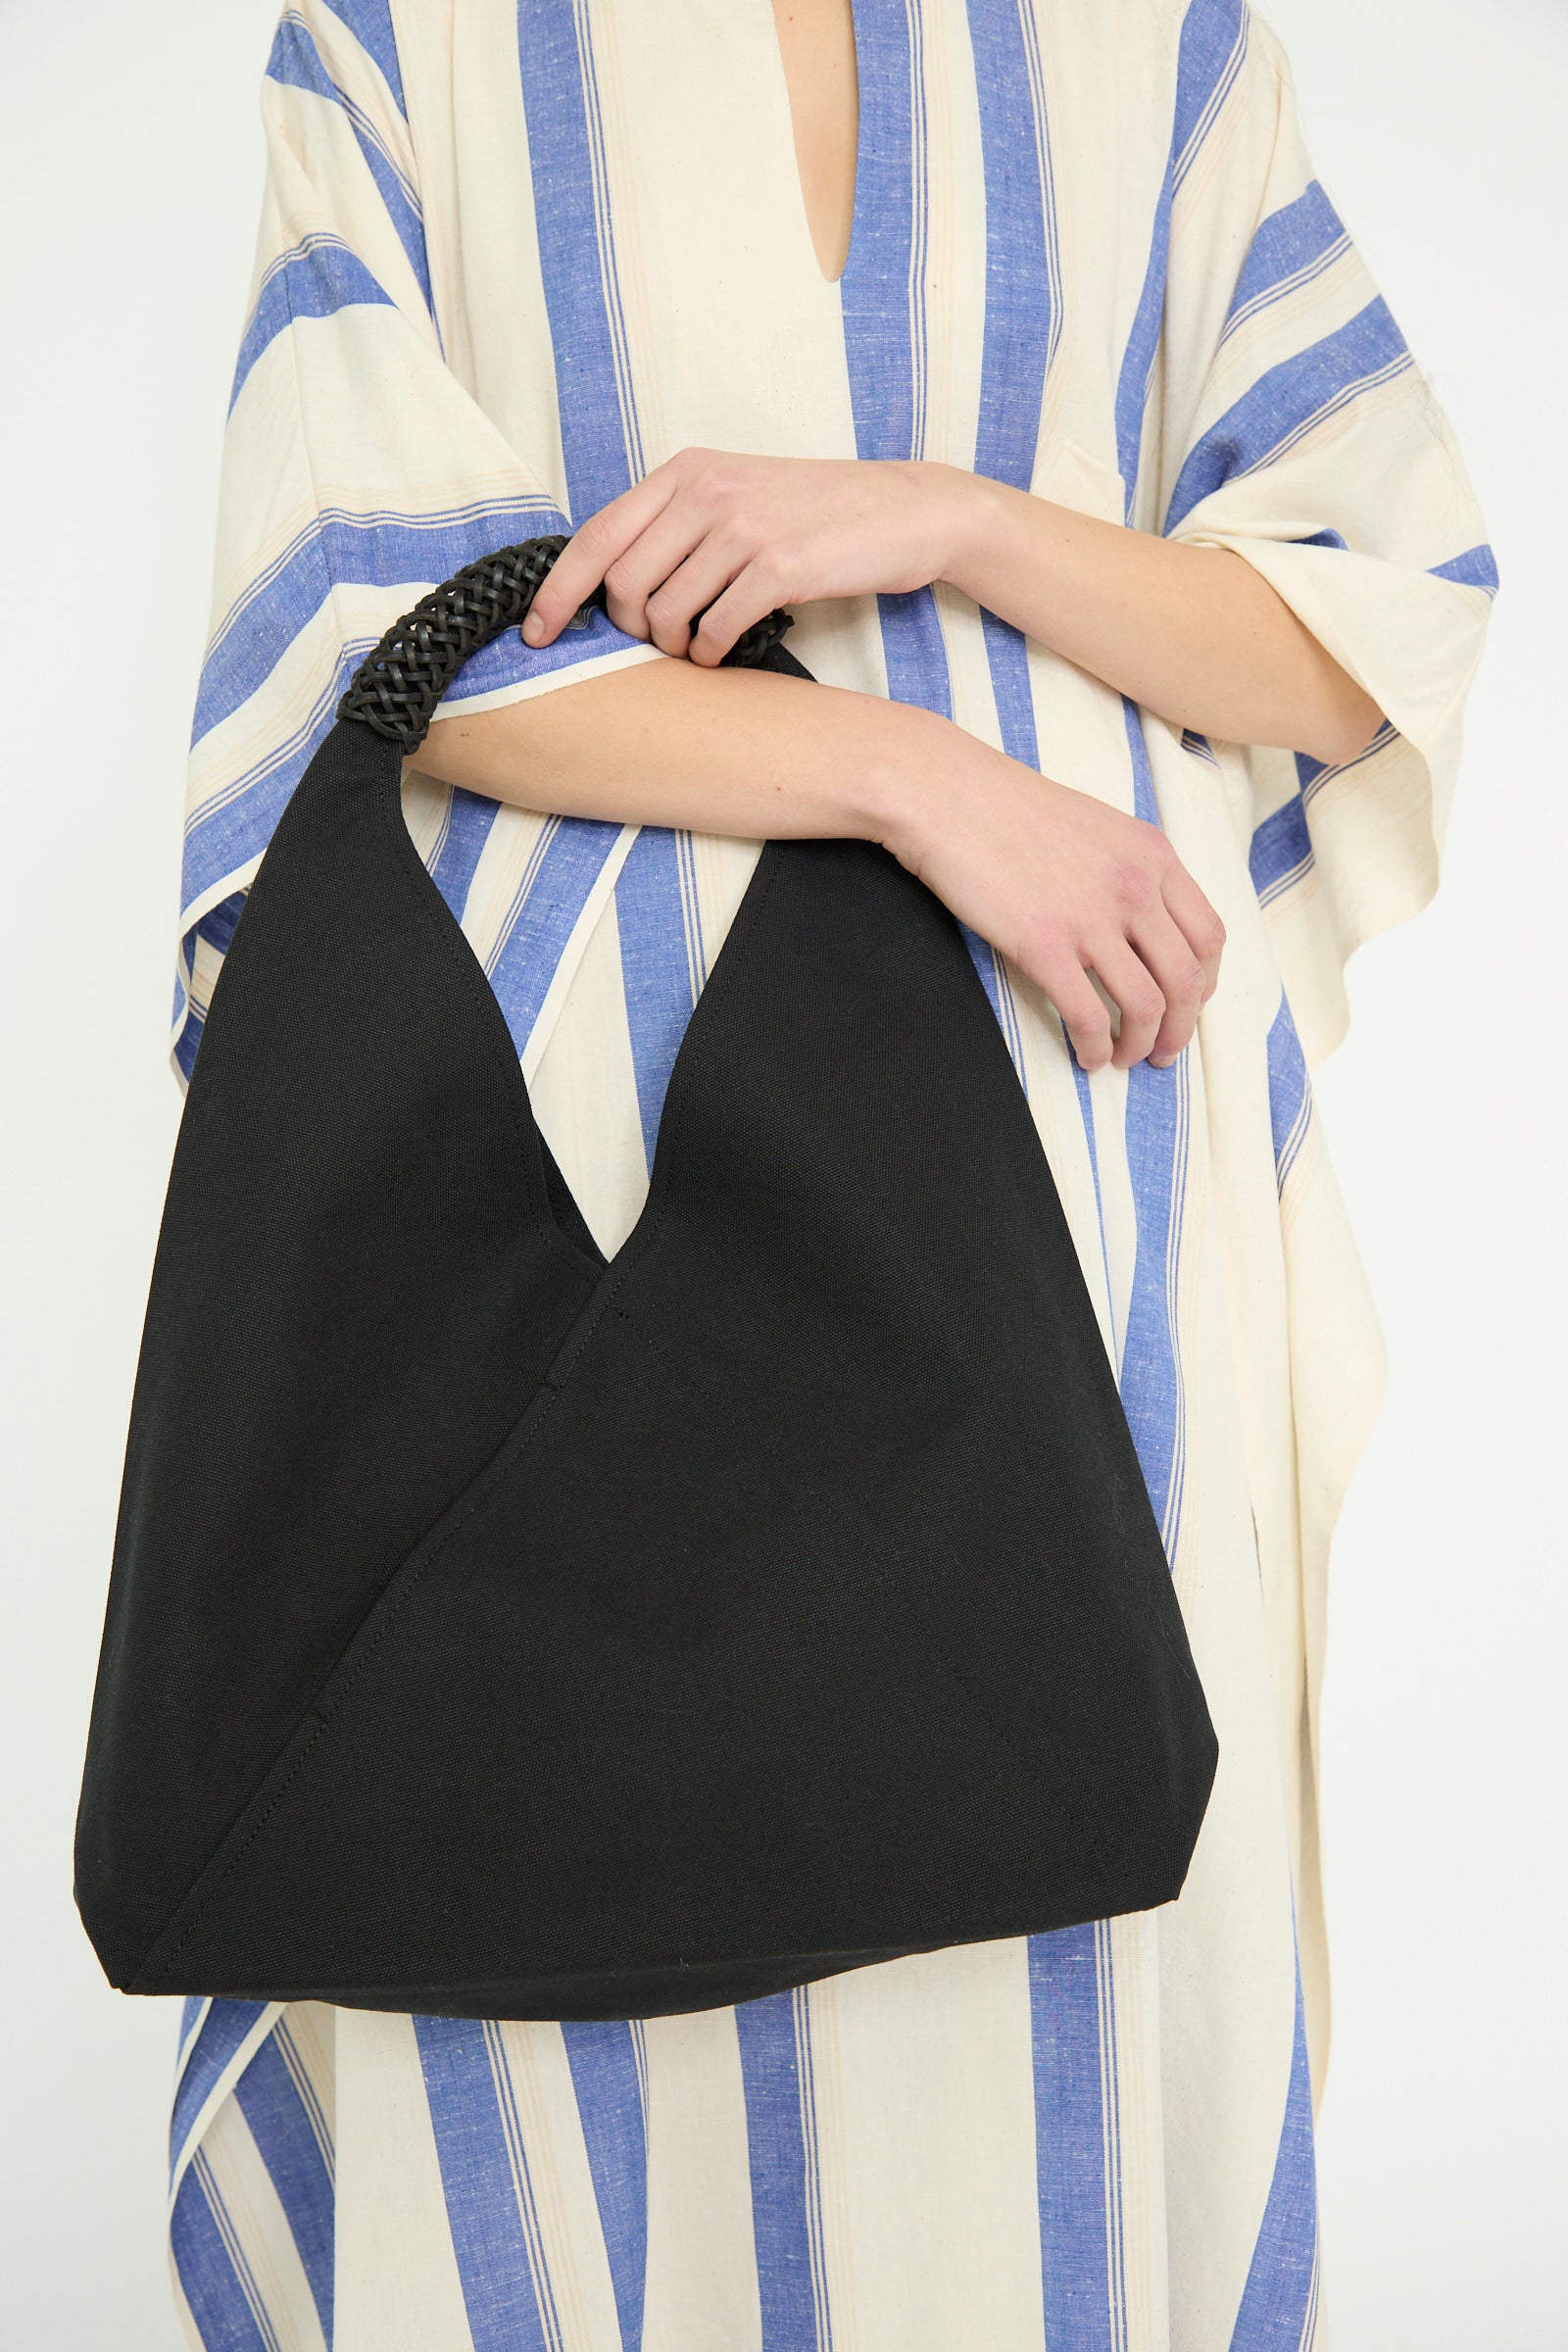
[754, 592]
[1195, 919]
[1079, 1003]
[692, 581]
[590, 552]
[1184, 982]
[1136, 994]
[637, 581]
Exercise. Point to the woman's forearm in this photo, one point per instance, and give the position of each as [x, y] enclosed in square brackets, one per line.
[742, 751]
[1192, 633]
[1063, 884]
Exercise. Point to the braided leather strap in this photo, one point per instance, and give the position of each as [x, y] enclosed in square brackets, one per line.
[395, 688]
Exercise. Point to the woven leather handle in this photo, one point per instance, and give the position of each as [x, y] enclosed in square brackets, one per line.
[395, 688]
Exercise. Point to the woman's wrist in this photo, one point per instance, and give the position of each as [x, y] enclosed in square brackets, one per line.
[966, 526]
[919, 768]
[999, 535]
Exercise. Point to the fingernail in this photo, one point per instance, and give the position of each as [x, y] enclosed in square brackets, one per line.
[533, 629]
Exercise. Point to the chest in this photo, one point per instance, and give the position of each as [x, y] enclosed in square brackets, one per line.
[634, 217]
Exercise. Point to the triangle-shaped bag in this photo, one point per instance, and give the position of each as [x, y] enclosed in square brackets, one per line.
[497, 1631]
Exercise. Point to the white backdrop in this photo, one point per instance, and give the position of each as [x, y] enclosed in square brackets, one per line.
[129, 174]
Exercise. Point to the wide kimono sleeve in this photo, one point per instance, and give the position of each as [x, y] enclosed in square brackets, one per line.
[1289, 421]
[358, 469]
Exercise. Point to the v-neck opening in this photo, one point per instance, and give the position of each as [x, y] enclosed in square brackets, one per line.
[829, 285]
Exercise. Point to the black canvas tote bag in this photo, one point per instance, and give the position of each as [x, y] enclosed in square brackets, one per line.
[496, 1630]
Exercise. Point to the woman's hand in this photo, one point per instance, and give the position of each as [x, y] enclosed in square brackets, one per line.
[729, 537]
[1194, 633]
[1073, 891]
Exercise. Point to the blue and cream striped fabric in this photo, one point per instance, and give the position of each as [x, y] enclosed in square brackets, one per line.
[516, 252]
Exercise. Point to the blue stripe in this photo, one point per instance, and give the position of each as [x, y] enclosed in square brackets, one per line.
[1279, 2304]
[1022, 314]
[882, 296]
[1281, 851]
[914, 652]
[1290, 1093]
[550, 898]
[1071, 2138]
[1023, 306]
[1144, 805]
[1281, 845]
[489, 2213]
[885, 355]
[657, 971]
[285, 2137]
[381, 548]
[331, 530]
[1138, 359]
[1213, 45]
[780, 2144]
[814, 2167]
[506, 661]
[1213, 42]
[227, 2024]
[338, 548]
[598, 432]
[187, 1043]
[310, 2096]
[238, 824]
[1477, 568]
[217, 927]
[297, 64]
[370, 23]
[1007, 654]
[1086, 1112]
[471, 820]
[609, 2084]
[1153, 1388]
[991, 966]
[312, 280]
[1290, 247]
[1159, 1102]
[1287, 401]
[213, 2284]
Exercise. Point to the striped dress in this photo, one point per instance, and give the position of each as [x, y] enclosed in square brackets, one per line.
[515, 253]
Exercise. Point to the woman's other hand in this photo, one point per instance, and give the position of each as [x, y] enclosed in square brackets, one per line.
[1194, 633]
[729, 537]
[1073, 891]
